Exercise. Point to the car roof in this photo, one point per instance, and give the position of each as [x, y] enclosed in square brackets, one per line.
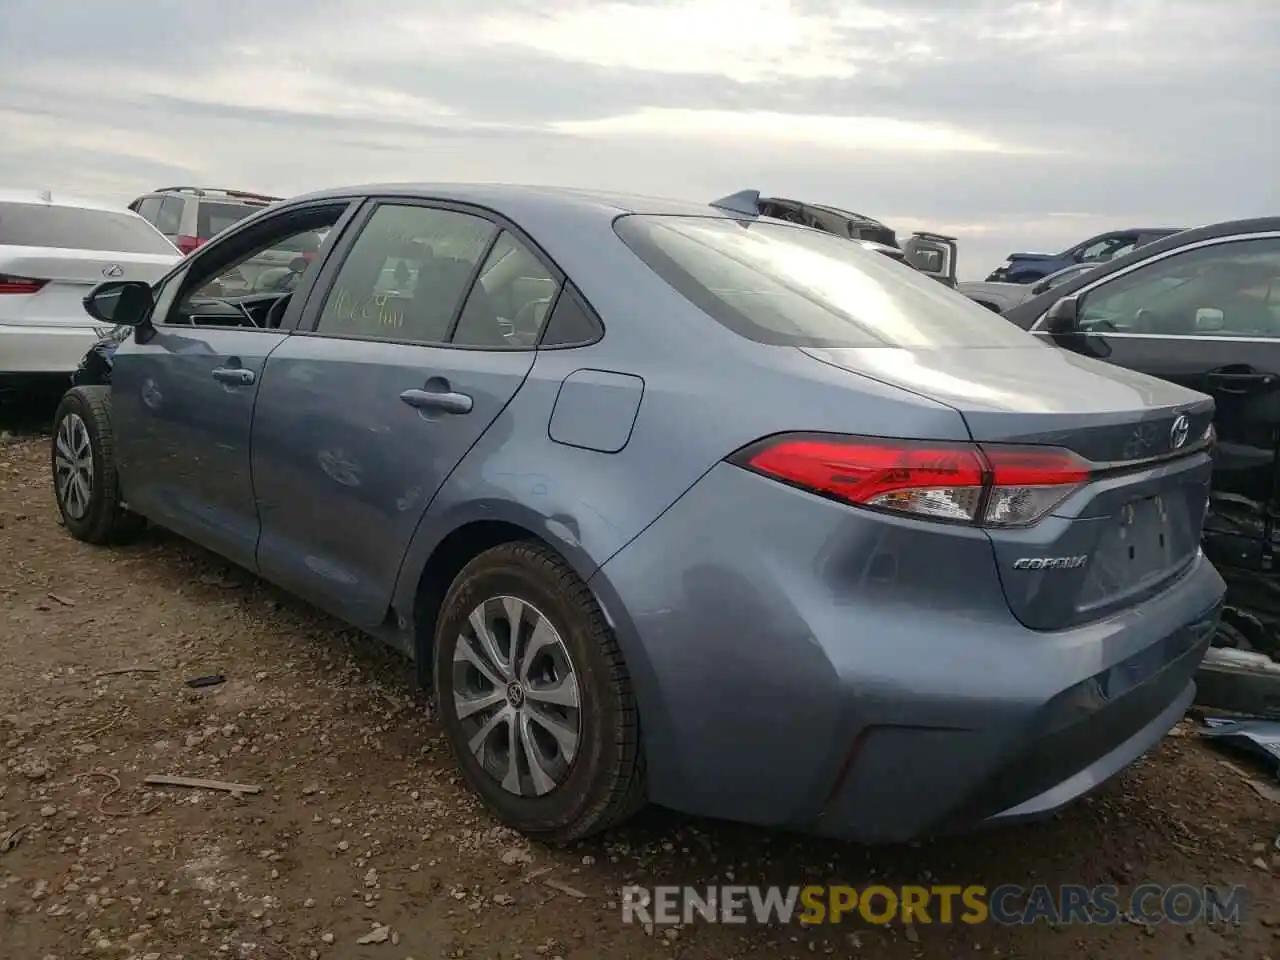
[49, 199]
[508, 198]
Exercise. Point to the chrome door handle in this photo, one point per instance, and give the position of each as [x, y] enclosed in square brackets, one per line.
[237, 375]
[448, 402]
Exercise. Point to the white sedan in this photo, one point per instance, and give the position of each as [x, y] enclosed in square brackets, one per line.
[52, 253]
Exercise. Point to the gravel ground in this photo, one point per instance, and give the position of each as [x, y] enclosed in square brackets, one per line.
[363, 826]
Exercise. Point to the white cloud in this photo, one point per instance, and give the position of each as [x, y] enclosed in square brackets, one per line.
[880, 134]
[255, 80]
[746, 40]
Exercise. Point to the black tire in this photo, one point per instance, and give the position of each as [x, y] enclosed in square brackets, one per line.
[604, 784]
[106, 520]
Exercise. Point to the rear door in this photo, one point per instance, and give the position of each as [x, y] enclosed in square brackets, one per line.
[404, 361]
[1207, 316]
[185, 388]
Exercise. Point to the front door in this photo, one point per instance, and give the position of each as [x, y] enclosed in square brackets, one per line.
[187, 384]
[1208, 317]
[362, 418]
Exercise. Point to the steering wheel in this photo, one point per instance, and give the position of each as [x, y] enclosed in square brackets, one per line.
[528, 321]
[275, 313]
[1102, 324]
[238, 307]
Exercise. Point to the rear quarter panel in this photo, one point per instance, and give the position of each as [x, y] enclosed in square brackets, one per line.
[707, 392]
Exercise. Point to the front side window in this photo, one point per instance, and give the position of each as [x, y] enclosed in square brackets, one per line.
[236, 283]
[406, 274]
[78, 228]
[1225, 289]
[784, 285]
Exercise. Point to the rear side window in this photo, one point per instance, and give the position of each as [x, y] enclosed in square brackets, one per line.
[149, 209]
[169, 217]
[571, 324]
[213, 218]
[74, 228]
[784, 285]
[508, 304]
[406, 274]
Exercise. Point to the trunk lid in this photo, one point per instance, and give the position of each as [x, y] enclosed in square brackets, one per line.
[1136, 523]
[68, 276]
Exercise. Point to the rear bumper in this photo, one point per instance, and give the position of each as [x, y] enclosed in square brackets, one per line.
[803, 664]
[35, 349]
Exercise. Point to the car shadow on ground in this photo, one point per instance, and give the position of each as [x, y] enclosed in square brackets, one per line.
[1115, 836]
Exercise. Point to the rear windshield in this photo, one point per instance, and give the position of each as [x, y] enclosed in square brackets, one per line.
[213, 218]
[785, 285]
[74, 228]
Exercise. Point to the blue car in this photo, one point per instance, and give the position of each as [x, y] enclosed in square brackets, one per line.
[671, 503]
[1030, 267]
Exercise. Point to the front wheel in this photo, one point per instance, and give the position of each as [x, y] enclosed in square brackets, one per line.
[535, 698]
[82, 457]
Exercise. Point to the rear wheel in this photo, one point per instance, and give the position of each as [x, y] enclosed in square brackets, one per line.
[534, 696]
[82, 457]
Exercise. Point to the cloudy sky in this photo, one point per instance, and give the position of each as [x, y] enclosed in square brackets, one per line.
[1014, 125]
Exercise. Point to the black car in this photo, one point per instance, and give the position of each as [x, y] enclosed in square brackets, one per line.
[1201, 308]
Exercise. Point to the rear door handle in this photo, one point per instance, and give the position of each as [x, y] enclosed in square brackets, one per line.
[448, 402]
[236, 375]
[1240, 381]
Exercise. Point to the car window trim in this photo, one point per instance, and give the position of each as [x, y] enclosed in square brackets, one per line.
[288, 323]
[1162, 255]
[369, 206]
[570, 291]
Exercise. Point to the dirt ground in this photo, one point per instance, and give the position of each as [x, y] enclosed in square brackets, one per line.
[362, 822]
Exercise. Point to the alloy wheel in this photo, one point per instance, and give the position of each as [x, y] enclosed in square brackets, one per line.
[73, 466]
[516, 694]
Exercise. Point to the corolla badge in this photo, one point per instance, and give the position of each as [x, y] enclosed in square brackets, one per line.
[1050, 563]
[113, 271]
[1179, 432]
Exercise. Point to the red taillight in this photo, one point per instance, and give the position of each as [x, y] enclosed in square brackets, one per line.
[187, 244]
[20, 285]
[994, 485]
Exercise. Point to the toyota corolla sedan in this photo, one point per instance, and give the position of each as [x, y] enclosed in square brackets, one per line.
[673, 504]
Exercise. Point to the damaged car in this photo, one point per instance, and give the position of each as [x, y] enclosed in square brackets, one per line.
[933, 254]
[608, 468]
[1202, 309]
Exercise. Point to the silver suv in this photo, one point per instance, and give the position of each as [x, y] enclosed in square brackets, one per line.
[191, 216]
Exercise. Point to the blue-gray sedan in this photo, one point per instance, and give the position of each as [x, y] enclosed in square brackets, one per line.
[671, 503]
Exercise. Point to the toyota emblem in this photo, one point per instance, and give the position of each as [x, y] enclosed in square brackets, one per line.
[112, 271]
[1179, 431]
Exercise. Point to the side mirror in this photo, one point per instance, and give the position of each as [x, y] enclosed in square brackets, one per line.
[1063, 316]
[125, 302]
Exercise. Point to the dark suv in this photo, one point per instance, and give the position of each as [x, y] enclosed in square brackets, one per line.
[1201, 308]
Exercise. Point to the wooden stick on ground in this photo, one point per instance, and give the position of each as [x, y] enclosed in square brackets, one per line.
[163, 780]
[120, 670]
